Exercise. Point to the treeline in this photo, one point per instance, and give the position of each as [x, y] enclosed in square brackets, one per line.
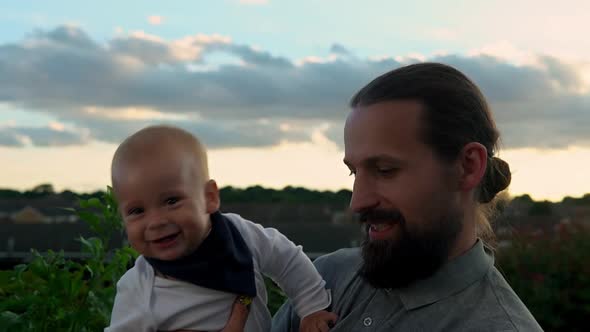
[258, 194]
[45, 190]
[253, 194]
[290, 194]
[547, 208]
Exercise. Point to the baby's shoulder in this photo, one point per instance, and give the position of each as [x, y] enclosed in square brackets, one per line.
[137, 276]
[249, 230]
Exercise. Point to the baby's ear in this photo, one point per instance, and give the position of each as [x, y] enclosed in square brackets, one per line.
[212, 200]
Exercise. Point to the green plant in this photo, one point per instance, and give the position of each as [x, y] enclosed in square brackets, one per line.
[551, 274]
[51, 293]
[276, 297]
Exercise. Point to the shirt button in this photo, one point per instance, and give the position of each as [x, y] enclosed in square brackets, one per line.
[367, 321]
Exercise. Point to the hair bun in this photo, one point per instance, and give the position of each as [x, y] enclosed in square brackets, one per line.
[496, 179]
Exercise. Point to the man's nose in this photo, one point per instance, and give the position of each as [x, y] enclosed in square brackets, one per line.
[363, 195]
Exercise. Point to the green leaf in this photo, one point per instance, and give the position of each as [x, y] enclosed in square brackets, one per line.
[8, 319]
[89, 269]
[94, 202]
[83, 203]
[92, 219]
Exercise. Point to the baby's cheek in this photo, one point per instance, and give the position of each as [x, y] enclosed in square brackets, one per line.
[136, 244]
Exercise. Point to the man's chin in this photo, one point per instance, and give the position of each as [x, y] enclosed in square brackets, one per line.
[409, 255]
[397, 264]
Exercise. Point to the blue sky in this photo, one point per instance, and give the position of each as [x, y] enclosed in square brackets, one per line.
[300, 28]
[271, 79]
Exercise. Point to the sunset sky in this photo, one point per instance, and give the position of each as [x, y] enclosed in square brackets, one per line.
[265, 84]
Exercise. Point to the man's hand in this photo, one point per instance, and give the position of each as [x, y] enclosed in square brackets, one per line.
[318, 321]
[238, 317]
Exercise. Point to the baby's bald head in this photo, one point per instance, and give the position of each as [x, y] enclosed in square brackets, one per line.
[163, 191]
[160, 143]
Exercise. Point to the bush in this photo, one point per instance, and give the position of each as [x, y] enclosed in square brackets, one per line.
[551, 274]
[51, 293]
[276, 297]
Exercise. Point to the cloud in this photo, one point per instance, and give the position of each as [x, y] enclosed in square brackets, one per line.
[226, 134]
[133, 113]
[109, 89]
[53, 135]
[505, 51]
[155, 20]
[10, 138]
[339, 49]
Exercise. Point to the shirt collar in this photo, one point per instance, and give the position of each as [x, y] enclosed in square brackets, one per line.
[453, 277]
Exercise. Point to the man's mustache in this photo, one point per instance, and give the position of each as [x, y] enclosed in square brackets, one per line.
[381, 215]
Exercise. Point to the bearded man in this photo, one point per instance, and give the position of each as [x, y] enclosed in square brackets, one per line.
[421, 144]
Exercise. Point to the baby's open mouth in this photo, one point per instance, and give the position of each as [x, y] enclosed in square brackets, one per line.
[166, 238]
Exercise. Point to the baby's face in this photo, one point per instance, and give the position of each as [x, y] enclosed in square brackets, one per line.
[164, 205]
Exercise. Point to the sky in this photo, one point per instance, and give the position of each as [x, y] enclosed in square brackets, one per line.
[265, 84]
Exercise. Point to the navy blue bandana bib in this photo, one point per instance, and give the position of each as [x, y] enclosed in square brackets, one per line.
[222, 262]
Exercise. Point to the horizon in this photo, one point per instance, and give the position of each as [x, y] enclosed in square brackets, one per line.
[268, 93]
[508, 195]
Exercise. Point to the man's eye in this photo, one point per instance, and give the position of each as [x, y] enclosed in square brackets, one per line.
[386, 170]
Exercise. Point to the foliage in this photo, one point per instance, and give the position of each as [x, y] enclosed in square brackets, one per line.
[45, 188]
[253, 194]
[51, 293]
[276, 297]
[551, 274]
[258, 194]
[543, 208]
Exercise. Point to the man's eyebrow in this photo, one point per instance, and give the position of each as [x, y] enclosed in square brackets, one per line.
[372, 160]
[384, 158]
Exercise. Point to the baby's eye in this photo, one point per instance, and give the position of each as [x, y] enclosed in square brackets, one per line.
[134, 211]
[172, 200]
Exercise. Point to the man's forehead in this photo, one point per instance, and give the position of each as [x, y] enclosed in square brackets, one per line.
[383, 132]
[388, 112]
[388, 117]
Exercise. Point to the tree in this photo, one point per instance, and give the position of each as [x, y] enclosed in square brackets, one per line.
[9, 193]
[45, 188]
[544, 208]
[526, 198]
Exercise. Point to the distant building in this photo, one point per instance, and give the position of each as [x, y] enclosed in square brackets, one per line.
[29, 215]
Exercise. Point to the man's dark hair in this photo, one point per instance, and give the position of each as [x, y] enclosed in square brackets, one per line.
[455, 114]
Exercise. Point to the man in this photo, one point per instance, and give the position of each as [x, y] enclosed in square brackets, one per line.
[421, 143]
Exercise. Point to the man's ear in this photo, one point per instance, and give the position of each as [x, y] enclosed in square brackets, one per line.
[212, 200]
[472, 162]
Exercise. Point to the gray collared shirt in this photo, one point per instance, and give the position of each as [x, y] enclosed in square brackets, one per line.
[467, 294]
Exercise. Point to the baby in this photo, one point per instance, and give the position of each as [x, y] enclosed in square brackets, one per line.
[194, 260]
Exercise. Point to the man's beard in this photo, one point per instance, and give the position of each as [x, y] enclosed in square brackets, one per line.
[413, 254]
